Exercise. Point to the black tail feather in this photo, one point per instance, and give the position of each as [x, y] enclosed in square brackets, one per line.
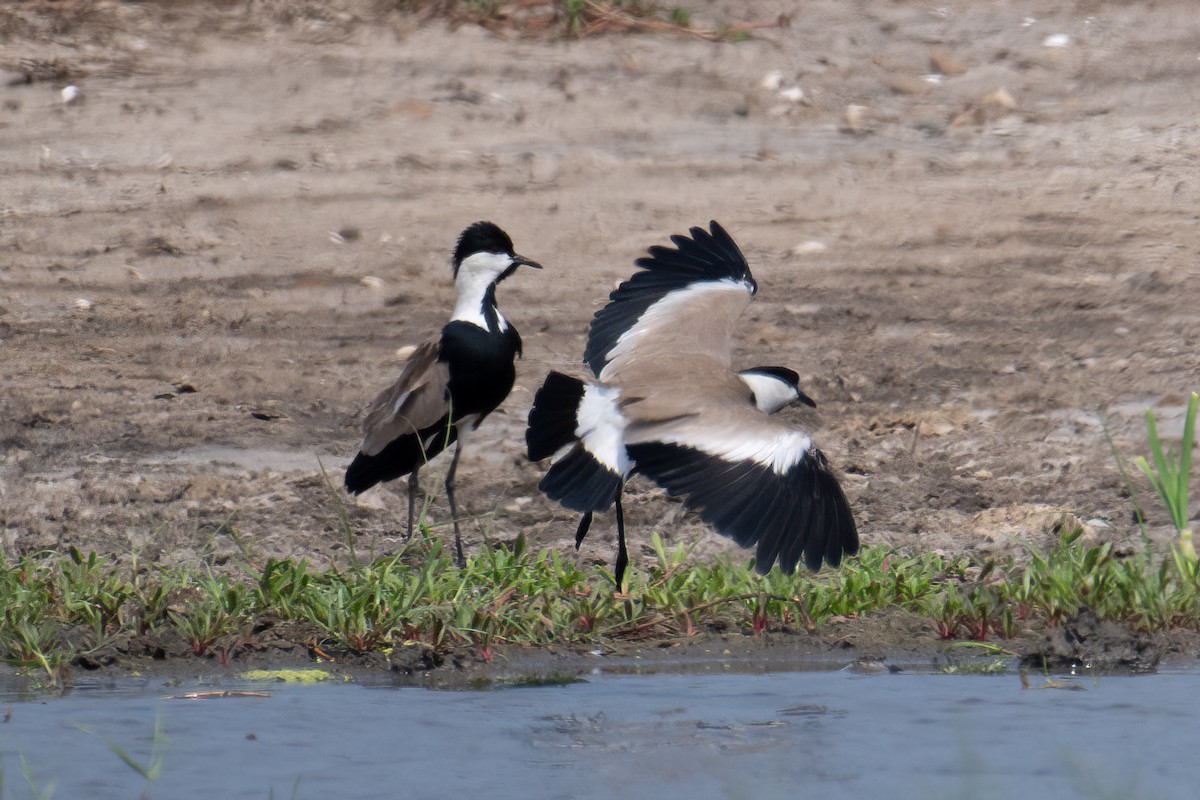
[581, 483]
[552, 421]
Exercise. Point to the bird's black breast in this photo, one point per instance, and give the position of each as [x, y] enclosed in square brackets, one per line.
[480, 364]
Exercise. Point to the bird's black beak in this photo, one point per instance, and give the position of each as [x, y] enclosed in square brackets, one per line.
[522, 261]
[803, 398]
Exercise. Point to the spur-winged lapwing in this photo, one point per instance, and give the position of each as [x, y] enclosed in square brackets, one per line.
[667, 404]
[450, 384]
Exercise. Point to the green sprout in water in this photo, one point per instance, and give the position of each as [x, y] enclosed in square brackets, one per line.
[1170, 478]
[160, 744]
[43, 793]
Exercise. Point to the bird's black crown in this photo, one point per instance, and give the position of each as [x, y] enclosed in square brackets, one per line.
[481, 237]
[788, 376]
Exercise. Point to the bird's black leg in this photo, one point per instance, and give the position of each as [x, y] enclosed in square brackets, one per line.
[412, 498]
[458, 548]
[622, 554]
[585, 523]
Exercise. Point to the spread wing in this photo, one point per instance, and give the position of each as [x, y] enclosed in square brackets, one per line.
[417, 400]
[750, 476]
[685, 300]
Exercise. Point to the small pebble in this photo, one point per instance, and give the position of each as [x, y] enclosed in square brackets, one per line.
[946, 64]
[811, 246]
[70, 94]
[853, 117]
[772, 80]
[1000, 99]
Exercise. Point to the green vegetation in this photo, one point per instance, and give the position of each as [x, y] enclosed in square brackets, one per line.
[540, 679]
[60, 610]
[680, 16]
[303, 677]
[1170, 477]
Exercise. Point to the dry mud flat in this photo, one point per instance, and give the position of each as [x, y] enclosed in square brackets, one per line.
[974, 227]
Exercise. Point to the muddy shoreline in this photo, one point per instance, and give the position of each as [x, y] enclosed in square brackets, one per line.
[886, 641]
[979, 248]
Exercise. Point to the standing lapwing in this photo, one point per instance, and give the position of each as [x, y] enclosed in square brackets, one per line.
[450, 384]
[667, 404]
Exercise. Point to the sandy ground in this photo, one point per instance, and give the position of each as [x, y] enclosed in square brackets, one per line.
[977, 248]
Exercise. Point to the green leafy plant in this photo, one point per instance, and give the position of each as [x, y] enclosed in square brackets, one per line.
[1171, 473]
[573, 9]
[52, 605]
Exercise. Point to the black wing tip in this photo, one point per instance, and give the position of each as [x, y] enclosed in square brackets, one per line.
[400, 457]
[704, 255]
[700, 256]
[836, 534]
[552, 418]
[802, 515]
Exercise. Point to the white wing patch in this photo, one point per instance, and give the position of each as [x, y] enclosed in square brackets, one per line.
[780, 453]
[601, 427]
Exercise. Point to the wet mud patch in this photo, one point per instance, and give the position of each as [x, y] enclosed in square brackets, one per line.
[1086, 642]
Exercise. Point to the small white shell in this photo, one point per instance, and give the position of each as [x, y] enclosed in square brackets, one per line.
[84, 304]
[772, 80]
[371, 282]
[811, 246]
[70, 94]
[1056, 40]
[403, 353]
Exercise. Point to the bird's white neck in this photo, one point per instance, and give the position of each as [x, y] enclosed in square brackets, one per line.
[476, 297]
[770, 393]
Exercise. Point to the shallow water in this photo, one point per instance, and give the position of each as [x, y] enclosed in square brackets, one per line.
[791, 734]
